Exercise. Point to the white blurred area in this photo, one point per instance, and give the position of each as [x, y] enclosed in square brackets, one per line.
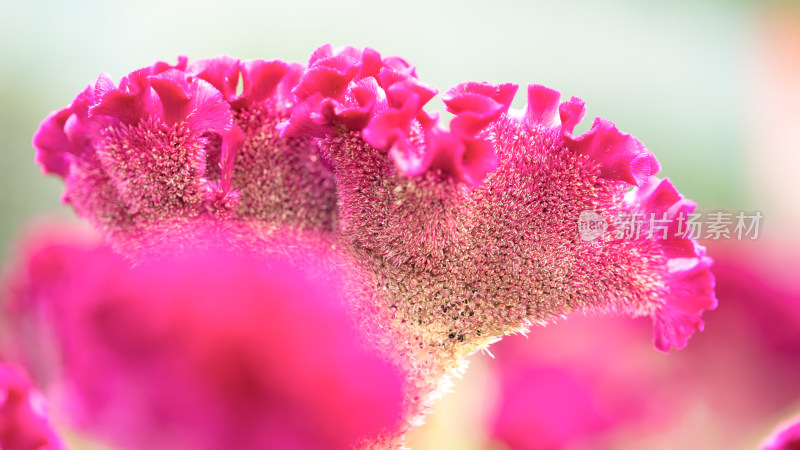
[773, 145]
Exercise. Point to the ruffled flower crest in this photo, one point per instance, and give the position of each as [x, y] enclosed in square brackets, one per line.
[689, 283]
[166, 148]
[350, 90]
[136, 152]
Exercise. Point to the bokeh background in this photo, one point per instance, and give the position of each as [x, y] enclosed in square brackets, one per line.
[711, 87]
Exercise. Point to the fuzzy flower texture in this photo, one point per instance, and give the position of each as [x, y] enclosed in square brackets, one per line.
[438, 240]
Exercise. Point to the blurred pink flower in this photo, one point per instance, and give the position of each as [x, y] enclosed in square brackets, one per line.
[206, 350]
[572, 412]
[577, 384]
[24, 424]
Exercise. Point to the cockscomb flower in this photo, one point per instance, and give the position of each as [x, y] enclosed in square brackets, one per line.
[474, 230]
[24, 423]
[203, 350]
[456, 235]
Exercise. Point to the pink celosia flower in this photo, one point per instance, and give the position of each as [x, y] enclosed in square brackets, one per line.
[24, 424]
[206, 350]
[455, 236]
[786, 436]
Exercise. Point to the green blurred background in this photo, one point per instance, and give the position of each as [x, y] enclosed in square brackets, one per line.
[670, 73]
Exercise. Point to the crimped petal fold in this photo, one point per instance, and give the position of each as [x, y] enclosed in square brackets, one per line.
[543, 106]
[688, 278]
[621, 156]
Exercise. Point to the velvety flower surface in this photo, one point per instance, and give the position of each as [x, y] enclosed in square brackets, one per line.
[205, 350]
[24, 424]
[453, 236]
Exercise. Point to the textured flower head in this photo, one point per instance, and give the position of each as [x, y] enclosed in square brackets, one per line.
[205, 350]
[474, 229]
[454, 236]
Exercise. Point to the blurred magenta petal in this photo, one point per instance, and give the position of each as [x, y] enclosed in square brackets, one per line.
[572, 412]
[785, 437]
[207, 350]
[24, 424]
[600, 382]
